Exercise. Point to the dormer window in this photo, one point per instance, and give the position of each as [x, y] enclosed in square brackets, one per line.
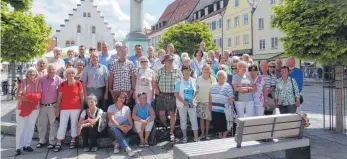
[78, 29]
[93, 29]
[89, 15]
[84, 14]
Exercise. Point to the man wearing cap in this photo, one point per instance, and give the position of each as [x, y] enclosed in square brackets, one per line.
[176, 59]
[115, 57]
[165, 85]
[122, 76]
[105, 57]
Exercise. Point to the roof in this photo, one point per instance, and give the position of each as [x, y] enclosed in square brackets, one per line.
[176, 12]
[183, 11]
[211, 14]
[170, 9]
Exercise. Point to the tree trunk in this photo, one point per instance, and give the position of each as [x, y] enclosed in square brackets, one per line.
[11, 76]
[339, 72]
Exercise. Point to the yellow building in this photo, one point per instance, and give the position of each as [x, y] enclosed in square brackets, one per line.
[238, 27]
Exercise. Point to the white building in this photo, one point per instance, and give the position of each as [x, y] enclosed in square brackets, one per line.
[266, 40]
[85, 26]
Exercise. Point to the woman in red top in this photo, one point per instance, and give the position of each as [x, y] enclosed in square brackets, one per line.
[70, 100]
[27, 110]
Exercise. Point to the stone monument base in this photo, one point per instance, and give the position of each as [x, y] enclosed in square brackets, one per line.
[136, 38]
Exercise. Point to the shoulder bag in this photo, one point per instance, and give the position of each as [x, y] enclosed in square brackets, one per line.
[301, 99]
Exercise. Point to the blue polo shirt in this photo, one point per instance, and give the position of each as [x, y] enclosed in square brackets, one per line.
[105, 60]
[298, 75]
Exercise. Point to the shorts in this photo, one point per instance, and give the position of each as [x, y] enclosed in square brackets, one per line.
[166, 102]
[148, 128]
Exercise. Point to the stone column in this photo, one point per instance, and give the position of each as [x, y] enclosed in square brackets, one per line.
[136, 15]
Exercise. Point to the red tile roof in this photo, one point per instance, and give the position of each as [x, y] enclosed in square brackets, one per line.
[183, 11]
[170, 9]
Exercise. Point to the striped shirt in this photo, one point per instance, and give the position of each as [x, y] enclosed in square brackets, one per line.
[270, 80]
[220, 96]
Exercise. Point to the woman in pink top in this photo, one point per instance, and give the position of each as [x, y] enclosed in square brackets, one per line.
[26, 123]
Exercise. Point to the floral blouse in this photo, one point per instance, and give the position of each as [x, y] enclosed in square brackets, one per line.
[284, 92]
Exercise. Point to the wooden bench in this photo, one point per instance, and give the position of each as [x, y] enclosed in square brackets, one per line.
[286, 130]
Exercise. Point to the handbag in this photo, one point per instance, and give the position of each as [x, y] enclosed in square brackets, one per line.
[103, 121]
[301, 98]
[270, 104]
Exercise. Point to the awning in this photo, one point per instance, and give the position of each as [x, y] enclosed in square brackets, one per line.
[270, 56]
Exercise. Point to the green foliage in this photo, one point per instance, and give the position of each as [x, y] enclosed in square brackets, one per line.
[23, 36]
[19, 5]
[314, 29]
[187, 37]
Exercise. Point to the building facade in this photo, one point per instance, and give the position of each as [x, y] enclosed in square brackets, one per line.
[212, 14]
[85, 26]
[238, 27]
[267, 45]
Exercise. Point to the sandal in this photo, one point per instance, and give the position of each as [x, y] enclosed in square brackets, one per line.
[50, 146]
[39, 145]
[72, 144]
[57, 148]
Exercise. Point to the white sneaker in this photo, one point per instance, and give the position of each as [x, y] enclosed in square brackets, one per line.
[116, 150]
[130, 152]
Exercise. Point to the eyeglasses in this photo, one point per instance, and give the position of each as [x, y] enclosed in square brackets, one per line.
[143, 61]
[272, 66]
[252, 70]
[210, 63]
[221, 68]
[234, 68]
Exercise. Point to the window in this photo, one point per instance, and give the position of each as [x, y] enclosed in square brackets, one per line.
[245, 39]
[237, 41]
[99, 46]
[199, 14]
[262, 44]
[89, 15]
[236, 3]
[72, 43]
[67, 43]
[229, 42]
[214, 25]
[84, 14]
[221, 4]
[236, 23]
[245, 19]
[220, 23]
[195, 16]
[215, 7]
[274, 42]
[78, 29]
[272, 1]
[206, 11]
[228, 24]
[261, 23]
[93, 29]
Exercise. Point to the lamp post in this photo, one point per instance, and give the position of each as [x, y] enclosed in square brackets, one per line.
[56, 41]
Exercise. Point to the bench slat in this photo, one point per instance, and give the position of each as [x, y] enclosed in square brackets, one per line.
[257, 129]
[286, 133]
[256, 122]
[288, 118]
[257, 136]
[248, 148]
[289, 125]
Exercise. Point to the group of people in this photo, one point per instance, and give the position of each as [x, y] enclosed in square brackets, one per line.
[132, 91]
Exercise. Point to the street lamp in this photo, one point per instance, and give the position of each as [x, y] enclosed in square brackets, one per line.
[56, 41]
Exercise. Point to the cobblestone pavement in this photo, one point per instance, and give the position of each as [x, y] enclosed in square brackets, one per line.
[325, 144]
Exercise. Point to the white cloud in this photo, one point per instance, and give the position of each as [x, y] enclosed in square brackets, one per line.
[113, 10]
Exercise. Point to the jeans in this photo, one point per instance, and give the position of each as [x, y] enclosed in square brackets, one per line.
[120, 137]
[89, 133]
[287, 109]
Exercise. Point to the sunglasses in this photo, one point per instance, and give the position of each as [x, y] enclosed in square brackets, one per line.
[252, 70]
[272, 66]
[210, 63]
[284, 67]
[234, 68]
[143, 61]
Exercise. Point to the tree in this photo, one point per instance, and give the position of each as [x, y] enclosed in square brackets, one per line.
[187, 37]
[23, 36]
[316, 30]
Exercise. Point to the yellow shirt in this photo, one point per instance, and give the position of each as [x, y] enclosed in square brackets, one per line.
[204, 88]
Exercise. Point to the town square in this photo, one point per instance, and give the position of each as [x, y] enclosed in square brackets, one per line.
[173, 79]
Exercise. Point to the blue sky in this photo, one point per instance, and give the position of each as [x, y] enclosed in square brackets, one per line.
[116, 12]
